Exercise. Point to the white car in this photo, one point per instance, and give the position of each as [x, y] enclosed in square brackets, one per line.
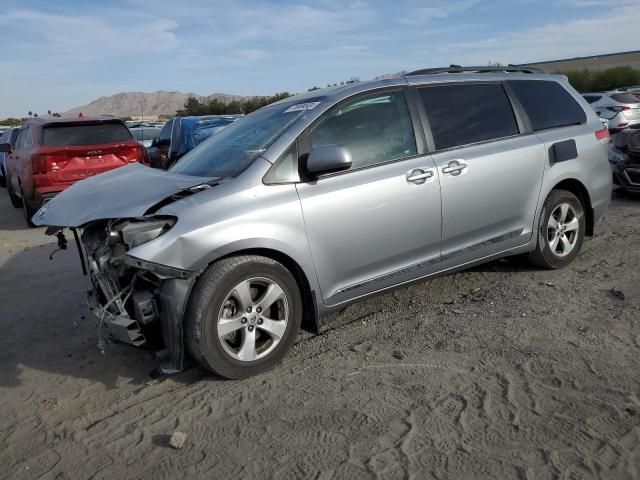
[621, 109]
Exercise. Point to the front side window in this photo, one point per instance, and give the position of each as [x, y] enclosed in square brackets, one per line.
[548, 104]
[375, 129]
[20, 140]
[28, 137]
[164, 137]
[468, 113]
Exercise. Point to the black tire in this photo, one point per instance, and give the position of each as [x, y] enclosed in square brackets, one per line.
[28, 211]
[16, 201]
[3, 178]
[205, 304]
[543, 256]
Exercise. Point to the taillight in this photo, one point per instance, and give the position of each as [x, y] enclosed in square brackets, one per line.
[132, 154]
[39, 164]
[603, 135]
[143, 158]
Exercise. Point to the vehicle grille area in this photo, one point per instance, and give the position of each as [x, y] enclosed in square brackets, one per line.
[122, 298]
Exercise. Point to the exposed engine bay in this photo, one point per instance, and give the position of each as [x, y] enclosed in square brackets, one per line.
[134, 302]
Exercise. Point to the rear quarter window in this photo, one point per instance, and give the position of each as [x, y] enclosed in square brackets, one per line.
[89, 134]
[548, 104]
[625, 98]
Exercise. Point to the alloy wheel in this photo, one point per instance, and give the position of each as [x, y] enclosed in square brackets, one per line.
[253, 319]
[562, 230]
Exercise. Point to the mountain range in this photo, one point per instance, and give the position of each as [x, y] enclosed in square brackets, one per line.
[126, 104]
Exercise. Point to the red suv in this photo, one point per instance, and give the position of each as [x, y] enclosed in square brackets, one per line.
[51, 154]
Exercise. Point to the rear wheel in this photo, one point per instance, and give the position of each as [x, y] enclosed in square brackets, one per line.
[27, 210]
[15, 200]
[561, 230]
[243, 316]
[3, 177]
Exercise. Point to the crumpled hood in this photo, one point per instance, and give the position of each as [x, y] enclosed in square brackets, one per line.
[125, 192]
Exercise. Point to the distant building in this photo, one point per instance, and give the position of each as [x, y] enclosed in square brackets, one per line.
[149, 118]
[596, 62]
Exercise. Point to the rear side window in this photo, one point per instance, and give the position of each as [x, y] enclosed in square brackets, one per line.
[465, 114]
[165, 133]
[548, 104]
[85, 134]
[625, 97]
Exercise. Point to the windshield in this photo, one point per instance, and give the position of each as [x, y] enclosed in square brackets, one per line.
[230, 151]
[145, 133]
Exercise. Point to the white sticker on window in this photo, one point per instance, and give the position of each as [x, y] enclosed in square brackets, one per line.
[302, 106]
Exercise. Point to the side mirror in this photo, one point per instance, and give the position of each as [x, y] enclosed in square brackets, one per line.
[327, 159]
[5, 148]
[154, 142]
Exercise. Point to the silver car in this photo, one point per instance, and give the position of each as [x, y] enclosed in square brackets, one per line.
[620, 108]
[332, 196]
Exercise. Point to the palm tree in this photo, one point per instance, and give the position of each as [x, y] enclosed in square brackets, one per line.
[49, 112]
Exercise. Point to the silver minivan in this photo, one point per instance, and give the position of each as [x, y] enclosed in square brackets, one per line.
[325, 198]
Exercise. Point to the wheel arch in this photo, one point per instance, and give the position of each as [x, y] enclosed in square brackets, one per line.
[310, 311]
[579, 190]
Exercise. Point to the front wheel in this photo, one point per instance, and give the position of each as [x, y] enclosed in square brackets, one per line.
[561, 230]
[243, 316]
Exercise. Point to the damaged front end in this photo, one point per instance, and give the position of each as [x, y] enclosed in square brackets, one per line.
[624, 157]
[135, 301]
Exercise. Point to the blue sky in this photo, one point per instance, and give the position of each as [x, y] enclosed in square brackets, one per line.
[64, 53]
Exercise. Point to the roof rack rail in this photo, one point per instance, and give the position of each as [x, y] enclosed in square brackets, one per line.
[460, 69]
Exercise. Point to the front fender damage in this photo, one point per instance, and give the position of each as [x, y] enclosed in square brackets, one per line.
[173, 295]
[136, 302]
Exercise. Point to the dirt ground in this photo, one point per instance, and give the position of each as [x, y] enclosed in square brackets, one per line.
[503, 371]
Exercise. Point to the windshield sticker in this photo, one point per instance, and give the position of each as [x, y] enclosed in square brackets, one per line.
[302, 106]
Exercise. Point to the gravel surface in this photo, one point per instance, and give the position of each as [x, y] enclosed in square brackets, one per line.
[503, 371]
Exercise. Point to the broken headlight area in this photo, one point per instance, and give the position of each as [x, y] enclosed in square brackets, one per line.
[125, 293]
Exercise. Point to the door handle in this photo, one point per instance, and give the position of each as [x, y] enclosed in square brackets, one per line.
[455, 167]
[419, 175]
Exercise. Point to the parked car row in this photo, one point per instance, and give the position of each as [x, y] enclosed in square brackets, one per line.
[624, 157]
[181, 134]
[47, 155]
[9, 136]
[621, 109]
[329, 197]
